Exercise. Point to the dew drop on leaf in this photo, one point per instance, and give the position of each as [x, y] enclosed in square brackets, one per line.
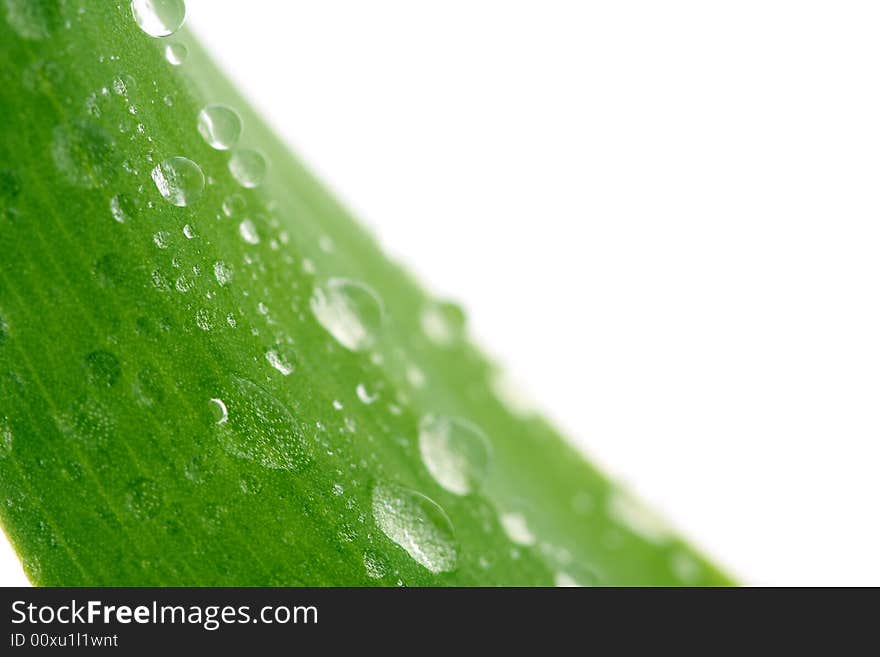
[6, 439]
[176, 53]
[33, 19]
[455, 452]
[4, 330]
[122, 208]
[83, 153]
[517, 528]
[222, 272]
[279, 358]
[233, 205]
[103, 369]
[350, 311]
[159, 18]
[247, 167]
[417, 524]
[179, 180]
[364, 395]
[189, 232]
[374, 565]
[248, 232]
[220, 127]
[203, 319]
[143, 498]
[259, 428]
[443, 323]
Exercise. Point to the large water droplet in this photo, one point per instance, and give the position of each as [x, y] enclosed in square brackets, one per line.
[33, 19]
[180, 181]
[417, 524]
[220, 127]
[350, 311]
[455, 452]
[247, 167]
[159, 18]
[443, 323]
[256, 426]
[176, 53]
[83, 153]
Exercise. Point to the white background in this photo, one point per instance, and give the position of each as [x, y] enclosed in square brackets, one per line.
[663, 216]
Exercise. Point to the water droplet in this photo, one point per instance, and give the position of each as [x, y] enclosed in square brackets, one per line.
[159, 18]
[122, 208]
[635, 516]
[4, 330]
[415, 376]
[83, 153]
[144, 498]
[350, 311]
[220, 127]
[233, 205]
[183, 284]
[278, 358]
[364, 395]
[222, 272]
[517, 529]
[259, 428]
[33, 19]
[180, 181]
[338, 490]
[374, 565]
[247, 167]
[6, 438]
[443, 323]
[417, 524]
[103, 369]
[203, 319]
[160, 239]
[119, 87]
[248, 232]
[455, 452]
[189, 232]
[87, 421]
[176, 53]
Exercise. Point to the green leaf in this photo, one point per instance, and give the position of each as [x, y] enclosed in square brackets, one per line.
[211, 375]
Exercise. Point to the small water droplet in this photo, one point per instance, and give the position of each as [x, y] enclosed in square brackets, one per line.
[233, 205]
[222, 272]
[189, 232]
[160, 239]
[248, 232]
[180, 181]
[221, 413]
[176, 53]
[374, 565]
[103, 368]
[415, 376]
[455, 452]
[247, 167]
[203, 319]
[278, 357]
[6, 440]
[338, 490]
[638, 518]
[144, 498]
[259, 428]
[350, 311]
[417, 524]
[364, 394]
[122, 208]
[517, 529]
[443, 323]
[159, 18]
[220, 127]
[33, 19]
[84, 153]
[183, 284]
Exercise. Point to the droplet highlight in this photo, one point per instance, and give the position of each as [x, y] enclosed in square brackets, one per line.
[175, 53]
